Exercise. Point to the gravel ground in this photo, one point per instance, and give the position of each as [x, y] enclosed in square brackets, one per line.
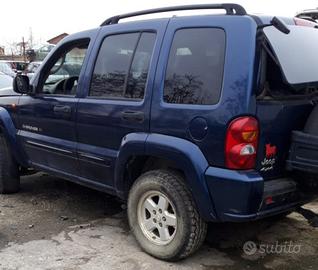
[54, 224]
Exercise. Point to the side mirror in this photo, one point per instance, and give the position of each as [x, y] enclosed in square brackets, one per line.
[21, 84]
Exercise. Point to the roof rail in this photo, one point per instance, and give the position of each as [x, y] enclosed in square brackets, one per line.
[231, 9]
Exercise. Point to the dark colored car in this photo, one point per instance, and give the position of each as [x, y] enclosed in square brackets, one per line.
[188, 119]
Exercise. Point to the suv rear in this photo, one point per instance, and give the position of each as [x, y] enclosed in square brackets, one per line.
[188, 119]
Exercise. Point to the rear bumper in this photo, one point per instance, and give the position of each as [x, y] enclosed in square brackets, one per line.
[244, 195]
[303, 152]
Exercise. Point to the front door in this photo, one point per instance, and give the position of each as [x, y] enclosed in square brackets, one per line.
[118, 96]
[47, 127]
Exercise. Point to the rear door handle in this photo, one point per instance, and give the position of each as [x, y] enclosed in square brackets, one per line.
[133, 116]
[62, 109]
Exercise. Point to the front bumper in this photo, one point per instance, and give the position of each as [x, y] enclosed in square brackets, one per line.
[244, 195]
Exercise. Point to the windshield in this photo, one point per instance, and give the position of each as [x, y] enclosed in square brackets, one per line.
[296, 53]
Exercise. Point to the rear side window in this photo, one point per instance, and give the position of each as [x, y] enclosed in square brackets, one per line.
[121, 68]
[195, 67]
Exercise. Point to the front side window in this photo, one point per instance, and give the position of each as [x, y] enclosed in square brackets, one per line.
[62, 77]
[195, 67]
[121, 68]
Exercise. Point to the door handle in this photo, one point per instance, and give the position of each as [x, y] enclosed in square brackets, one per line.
[133, 116]
[62, 109]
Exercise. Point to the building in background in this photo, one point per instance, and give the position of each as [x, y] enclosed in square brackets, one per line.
[57, 39]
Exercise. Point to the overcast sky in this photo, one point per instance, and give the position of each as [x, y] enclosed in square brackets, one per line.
[50, 18]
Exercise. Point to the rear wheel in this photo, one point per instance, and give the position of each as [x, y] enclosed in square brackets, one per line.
[9, 169]
[163, 216]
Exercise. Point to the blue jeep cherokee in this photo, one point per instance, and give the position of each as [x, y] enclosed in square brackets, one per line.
[188, 119]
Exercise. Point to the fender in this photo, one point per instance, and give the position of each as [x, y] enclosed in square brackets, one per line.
[10, 134]
[132, 144]
[186, 155]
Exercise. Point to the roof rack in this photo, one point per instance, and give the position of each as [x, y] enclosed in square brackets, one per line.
[231, 9]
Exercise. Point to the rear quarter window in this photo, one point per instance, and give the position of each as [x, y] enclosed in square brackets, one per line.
[194, 72]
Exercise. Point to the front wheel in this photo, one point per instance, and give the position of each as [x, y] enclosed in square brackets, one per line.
[163, 216]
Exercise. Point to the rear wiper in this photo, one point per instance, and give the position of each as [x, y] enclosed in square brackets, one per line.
[278, 24]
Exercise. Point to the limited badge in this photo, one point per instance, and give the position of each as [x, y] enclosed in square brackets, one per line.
[270, 158]
[31, 128]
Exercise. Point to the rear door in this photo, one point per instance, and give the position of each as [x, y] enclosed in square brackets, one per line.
[206, 69]
[117, 97]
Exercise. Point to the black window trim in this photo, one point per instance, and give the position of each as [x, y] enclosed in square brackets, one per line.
[120, 99]
[187, 105]
[130, 64]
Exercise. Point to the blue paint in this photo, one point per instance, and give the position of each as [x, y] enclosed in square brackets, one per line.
[93, 144]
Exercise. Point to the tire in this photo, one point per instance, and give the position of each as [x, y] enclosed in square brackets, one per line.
[9, 169]
[187, 231]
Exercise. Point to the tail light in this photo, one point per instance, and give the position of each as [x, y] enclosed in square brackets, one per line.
[241, 143]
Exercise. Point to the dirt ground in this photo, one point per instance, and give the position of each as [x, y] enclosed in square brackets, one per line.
[54, 224]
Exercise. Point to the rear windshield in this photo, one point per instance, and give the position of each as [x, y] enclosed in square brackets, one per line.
[297, 53]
